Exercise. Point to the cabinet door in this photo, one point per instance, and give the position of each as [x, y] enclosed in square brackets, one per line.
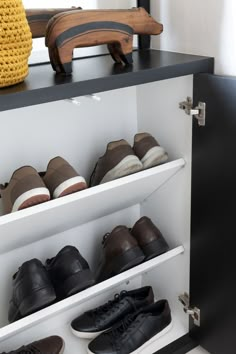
[213, 243]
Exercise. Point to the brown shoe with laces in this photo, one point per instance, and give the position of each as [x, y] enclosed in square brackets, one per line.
[120, 253]
[25, 189]
[118, 161]
[50, 345]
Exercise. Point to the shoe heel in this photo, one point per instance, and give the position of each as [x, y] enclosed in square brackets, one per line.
[77, 282]
[155, 249]
[37, 301]
[129, 259]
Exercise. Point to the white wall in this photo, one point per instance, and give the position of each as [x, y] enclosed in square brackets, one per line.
[205, 27]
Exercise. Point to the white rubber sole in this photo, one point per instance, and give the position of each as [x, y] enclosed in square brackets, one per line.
[129, 165]
[28, 195]
[86, 335]
[63, 348]
[67, 184]
[151, 340]
[154, 157]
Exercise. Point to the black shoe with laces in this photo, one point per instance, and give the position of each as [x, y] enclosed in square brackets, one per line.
[32, 290]
[92, 323]
[135, 332]
[50, 345]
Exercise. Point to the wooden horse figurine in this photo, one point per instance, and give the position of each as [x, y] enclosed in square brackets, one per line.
[86, 28]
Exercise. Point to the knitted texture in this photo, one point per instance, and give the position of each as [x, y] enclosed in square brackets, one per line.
[15, 42]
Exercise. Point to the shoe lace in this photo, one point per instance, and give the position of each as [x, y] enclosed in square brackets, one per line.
[110, 306]
[29, 349]
[126, 326]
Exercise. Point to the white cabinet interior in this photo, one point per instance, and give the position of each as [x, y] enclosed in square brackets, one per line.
[36, 134]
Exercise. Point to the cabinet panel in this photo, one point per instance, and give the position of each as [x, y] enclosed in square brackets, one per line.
[213, 243]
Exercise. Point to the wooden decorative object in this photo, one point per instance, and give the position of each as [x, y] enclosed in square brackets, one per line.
[86, 28]
[38, 19]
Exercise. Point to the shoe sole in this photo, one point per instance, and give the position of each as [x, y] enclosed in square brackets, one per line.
[33, 303]
[155, 249]
[154, 157]
[70, 186]
[149, 342]
[63, 347]
[129, 165]
[86, 335]
[123, 262]
[32, 197]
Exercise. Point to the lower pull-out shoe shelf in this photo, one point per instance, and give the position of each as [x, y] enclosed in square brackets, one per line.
[56, 318]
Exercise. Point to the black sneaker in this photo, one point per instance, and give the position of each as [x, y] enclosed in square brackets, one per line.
[135, 332]
[92, 323]
[32, 290]
[69, 272]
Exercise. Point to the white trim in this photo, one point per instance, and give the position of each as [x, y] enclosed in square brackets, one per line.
[157, 154]
[29, 194]
[86, 335]
[129, 165]
[67, 184]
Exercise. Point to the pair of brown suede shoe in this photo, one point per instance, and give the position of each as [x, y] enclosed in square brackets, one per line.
[27, 187]
[125, 248]
[120, 159]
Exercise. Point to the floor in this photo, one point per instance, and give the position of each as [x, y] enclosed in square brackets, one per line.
[198, 350]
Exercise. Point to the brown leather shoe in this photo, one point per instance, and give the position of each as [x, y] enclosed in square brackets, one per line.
[25, 189]
[50, 345]
[62, 179]
[149, 238]
[148, 150]
[118, 161]
[120, 253]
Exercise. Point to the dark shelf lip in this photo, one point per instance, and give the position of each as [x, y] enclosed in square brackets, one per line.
[99, 74]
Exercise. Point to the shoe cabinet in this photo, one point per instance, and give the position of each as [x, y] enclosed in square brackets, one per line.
[190, 198]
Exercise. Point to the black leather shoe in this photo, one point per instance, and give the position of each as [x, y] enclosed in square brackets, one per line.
[32, 290]
[149, 238]
[135, 332]
[69, 272]
[93, 322]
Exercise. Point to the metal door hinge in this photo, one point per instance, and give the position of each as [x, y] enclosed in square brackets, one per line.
[193, 312]
[198, 112]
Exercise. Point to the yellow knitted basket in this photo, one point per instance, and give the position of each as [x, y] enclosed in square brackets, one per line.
[15, 42]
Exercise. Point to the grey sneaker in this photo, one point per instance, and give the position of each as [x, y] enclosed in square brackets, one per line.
[62, 179]
[148, 150]
[25, 189]
[118, 161]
